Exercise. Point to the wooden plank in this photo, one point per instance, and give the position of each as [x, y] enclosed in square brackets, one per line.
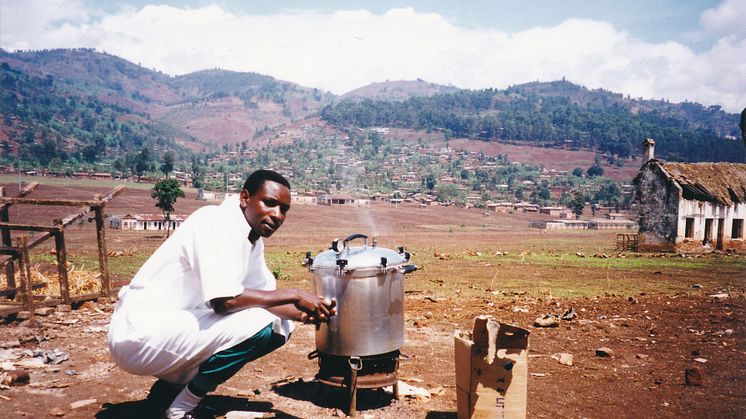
[10, 307]
[24, 268]
[95, 203]
[59, 246]
[25, 191]
[13, 291]
[112, 194]
[59, 202]
[37, 240]
[12, 251]
[103, 261]
[83, 211]
[27, 227]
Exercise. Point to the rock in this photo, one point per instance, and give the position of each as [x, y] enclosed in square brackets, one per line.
[44, 311]
[235, 414]
[10, 344]
[642, 356]
[693, 376]
[88, 305]
[17, 377]
[64, 308]
[520, 310]
[437, 391]
[579, 254]
[82, 403]
[429, 315]
[604, 352]
[57, 412]
[569, 314]
[547, 320]
[720, 295]
[697, 286]
[633, 300]
[31, 363]
[414, 392]
[700, 360]
[563, 358]
[31, 324]
[23, 315]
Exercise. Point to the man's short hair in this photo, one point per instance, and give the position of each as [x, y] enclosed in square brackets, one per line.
[256, 180]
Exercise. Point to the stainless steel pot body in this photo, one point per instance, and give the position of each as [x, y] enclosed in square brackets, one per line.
[370, 311]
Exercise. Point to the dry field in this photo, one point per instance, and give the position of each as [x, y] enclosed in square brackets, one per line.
[656, 312]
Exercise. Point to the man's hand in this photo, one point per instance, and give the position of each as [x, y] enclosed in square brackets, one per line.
[315, 309]
[291, 304]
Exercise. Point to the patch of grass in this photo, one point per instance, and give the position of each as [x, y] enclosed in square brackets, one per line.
[491, 277]
[123, 267]
[286, 266]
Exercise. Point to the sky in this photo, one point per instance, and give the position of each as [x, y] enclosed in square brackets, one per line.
[663, 49]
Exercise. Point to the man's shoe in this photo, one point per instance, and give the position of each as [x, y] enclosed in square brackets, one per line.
[162, 394]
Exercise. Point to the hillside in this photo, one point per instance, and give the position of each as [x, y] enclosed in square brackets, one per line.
[212, 107]
[558, 114]
[66, 108]
[46, 122]
[398, 90]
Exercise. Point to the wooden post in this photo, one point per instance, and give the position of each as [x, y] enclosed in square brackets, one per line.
[7, 242]
[59, 246]
[103, 262]
[24, 268]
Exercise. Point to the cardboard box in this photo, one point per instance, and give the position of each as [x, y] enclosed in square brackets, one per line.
[491, 370]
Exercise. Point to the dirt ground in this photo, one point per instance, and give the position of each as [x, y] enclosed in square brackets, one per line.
[659, 314]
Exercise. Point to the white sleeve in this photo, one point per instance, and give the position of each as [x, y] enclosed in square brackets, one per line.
[216, 260]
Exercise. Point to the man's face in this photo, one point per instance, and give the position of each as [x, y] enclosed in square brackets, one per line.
[266, 209]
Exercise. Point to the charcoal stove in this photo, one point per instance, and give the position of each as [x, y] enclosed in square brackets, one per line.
[353, 372]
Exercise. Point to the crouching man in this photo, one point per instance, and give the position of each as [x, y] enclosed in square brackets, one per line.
[205, 303]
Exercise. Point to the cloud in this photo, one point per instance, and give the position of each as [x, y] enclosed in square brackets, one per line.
[347, 49]
[727, 19]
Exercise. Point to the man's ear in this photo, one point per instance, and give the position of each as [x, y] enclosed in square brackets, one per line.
[244, 197]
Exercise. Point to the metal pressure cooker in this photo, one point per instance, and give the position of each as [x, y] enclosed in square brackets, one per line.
[368, 284]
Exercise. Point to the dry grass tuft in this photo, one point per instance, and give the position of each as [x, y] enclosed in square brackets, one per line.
[80, 281]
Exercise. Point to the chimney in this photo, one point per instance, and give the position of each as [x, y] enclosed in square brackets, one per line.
[648, 150]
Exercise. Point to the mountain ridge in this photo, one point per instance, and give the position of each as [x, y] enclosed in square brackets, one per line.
[204, 110]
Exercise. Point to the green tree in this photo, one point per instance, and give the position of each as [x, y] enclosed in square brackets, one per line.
[610, 193]
[595, 170]
[577, 172]
[165, 193]
[577, 204]
[429, 181]
[142, 162]
[167, 165]
[449, 193]
[198, 173]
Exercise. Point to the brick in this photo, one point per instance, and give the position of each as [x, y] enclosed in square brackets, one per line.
[44, 311]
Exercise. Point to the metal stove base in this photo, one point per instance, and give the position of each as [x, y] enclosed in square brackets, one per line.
[352, 372]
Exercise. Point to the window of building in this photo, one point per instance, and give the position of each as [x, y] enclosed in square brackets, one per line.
[737, 231]
[689, 231]
[708, 231]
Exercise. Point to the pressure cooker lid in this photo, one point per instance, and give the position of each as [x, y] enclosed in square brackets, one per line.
[343, 254]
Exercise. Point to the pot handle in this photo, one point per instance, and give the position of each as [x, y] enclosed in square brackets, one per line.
[407, 269]
[335, 243]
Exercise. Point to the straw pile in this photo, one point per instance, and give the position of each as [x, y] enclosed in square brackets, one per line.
[80, 281]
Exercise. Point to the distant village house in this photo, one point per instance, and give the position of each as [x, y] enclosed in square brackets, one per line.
[145, 222]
